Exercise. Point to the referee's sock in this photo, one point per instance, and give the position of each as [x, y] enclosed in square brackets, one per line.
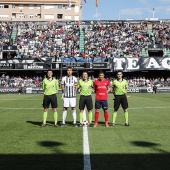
[90, 116]
[114, 117]
[55, 118]
[44, 117]
[126, 117]
[81, 117]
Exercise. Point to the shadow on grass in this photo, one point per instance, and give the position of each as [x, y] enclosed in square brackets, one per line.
[153, 146]
[103, 123]
[49, 123]
[52, 145]
[34, 123]
[61, 161]
[144, 144]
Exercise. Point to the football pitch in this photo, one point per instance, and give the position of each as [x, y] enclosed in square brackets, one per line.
[143, 145]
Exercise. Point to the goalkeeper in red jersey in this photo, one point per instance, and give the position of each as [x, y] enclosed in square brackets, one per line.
[101, 87]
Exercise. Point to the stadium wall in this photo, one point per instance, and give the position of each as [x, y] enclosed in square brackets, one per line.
[124, 64]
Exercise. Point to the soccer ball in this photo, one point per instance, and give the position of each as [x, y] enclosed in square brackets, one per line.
[85, 123]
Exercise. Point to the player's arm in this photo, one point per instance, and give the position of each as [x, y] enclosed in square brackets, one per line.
[78, 86]
[75, 85]
[108, 87]
[113, 88]
[62, 85]
[43, 85]
[126, 86]
[62, 88]
[57, 86]
[94, 86]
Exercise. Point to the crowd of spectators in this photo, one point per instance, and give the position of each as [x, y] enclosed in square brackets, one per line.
[59, 41]
[7, 81]
[121, 40]
[161, 35]
[148, 82]
[47, 40]
[116, 40]
[5, 33]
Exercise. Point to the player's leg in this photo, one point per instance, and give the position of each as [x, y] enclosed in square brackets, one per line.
[81, 107]
[89, 105]
[126, 115]
[54, 106]
[65, 107]
[105, 110]
[46, 103]
[116, 108]
[124, 104]
[55, 117]
[97, 109]
[44, 117]
[64, 115]
[72, 102]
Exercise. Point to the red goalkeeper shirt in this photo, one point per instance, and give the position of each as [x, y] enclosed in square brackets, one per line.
[101, 87]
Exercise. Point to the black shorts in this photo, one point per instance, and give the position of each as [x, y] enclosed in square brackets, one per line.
[85, 101]
[120, 99]
[50, 99]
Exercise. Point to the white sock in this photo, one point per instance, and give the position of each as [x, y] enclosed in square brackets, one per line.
[74, 116]
[64, 116]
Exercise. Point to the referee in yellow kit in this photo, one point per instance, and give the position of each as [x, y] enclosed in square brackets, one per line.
[50, 88]
[120, 87]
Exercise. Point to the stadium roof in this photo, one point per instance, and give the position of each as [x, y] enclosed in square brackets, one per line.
[36, 1]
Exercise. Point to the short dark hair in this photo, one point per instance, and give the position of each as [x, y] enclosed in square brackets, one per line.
[119, 71]
[49, 70]
[101, 72]
[84, 72]
[69, 68]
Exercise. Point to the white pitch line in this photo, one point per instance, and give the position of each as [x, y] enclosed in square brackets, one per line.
[19, 108]
[86, 148]
[140, 108]
[19, 99]
[131, 108]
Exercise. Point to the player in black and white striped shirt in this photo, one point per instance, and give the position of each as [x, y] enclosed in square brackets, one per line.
[69, 88]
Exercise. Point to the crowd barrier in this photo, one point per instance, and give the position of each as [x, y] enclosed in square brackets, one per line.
[37, 90]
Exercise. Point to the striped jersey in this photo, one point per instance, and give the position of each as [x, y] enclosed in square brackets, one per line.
[70, 84]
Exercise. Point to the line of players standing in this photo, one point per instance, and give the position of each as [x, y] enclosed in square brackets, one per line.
[70, 86]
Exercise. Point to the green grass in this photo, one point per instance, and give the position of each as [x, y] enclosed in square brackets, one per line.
[144, 145]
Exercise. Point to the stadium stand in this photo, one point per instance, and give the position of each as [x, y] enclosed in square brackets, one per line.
[84, 43]
[17, 81]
